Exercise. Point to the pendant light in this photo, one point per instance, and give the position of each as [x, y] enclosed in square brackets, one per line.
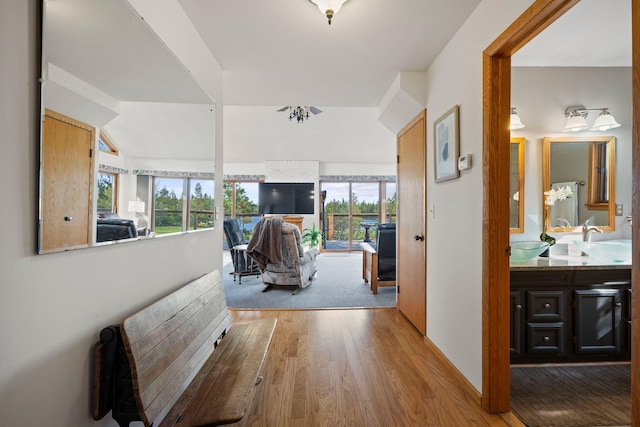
[329, 7]
[515, 123]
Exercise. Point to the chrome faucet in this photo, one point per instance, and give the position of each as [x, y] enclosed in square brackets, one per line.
[586, 228]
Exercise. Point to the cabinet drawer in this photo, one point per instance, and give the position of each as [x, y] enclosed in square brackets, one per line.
[602, 277]
[546, 338]
[545, 306]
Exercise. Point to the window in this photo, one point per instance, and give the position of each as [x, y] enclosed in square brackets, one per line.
[241, 201]
[174, 212]
[352, 210]
[106, 145]
[107, 191]
[201, 203]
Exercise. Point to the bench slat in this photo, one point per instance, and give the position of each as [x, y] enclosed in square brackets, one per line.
[222, 390]
[150, 334]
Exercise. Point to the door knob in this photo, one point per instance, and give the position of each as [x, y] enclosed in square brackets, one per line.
[419, 237]
[68, 218]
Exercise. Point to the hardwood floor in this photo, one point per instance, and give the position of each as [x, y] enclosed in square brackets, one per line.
[361, 367]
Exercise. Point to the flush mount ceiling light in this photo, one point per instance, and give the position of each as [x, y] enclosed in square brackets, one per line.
[300, 113]
[329, 7]
[516, 123]
[577, 119]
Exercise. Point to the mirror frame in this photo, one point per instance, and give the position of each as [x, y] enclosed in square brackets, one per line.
[546, 178]
[520, 228]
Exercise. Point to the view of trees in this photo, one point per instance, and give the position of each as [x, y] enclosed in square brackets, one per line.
[169, 207]
[105, 192]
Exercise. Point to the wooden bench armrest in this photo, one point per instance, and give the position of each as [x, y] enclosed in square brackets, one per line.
[222, 390]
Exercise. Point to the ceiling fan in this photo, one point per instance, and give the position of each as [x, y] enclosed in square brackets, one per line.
[300, 113]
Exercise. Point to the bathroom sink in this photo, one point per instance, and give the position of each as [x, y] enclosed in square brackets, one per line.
[606, 250]
[526, 250]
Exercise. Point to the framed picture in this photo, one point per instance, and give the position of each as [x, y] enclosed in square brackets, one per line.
[446, 145]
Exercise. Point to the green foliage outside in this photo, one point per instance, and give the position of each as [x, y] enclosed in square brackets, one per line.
[168, 210]
[244, 208]
[105, 192]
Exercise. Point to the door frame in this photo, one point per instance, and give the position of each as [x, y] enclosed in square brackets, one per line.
[495, 243]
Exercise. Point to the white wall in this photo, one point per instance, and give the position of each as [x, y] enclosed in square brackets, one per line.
[454, 236]
[52, 307]
[338, 134]
[541, 96]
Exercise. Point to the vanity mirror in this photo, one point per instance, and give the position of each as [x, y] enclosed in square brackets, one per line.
[587, 166]
[516, 186]
[127, 145]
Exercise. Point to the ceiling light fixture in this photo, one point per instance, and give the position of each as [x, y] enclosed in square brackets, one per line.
[329, 7]
[515, 123]
[577, 119]
[300, 113]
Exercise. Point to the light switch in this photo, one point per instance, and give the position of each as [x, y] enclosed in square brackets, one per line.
[432, 211]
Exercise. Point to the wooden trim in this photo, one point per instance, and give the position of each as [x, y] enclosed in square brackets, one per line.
[520, 227]
[113, 150]
[635, 230]
[611, 153]
[422, 115]
[495, 246]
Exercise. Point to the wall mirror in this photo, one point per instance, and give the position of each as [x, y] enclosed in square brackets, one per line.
[127, 141]
[587, 166]
[516, 186]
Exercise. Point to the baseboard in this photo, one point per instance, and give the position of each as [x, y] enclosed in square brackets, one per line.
[465, 385]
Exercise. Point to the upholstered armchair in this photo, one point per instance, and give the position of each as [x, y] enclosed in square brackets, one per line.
[379, 263]
[276, 247]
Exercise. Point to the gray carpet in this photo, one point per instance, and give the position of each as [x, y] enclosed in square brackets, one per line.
[339, 284]
[572, 395]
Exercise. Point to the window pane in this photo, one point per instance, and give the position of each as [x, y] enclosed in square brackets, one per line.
[227, 200]
[336, 215]
[365, 208]
[201, 203]
[106, 191]
[168, 205]
[391, 200]
[247, 206]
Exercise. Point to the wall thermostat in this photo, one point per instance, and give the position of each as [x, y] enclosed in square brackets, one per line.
[464, 162]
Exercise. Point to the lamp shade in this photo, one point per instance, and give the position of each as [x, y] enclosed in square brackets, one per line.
[329, 7]
[515, 123]
[136, 206]
[605, 121]
[575, 123]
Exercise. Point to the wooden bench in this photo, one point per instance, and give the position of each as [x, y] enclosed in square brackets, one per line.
[370, 268]
[179, 363]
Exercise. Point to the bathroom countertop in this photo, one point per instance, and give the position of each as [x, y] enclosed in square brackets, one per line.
[567, 262]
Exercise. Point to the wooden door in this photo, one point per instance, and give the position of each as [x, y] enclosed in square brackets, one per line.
[67, 183]
[411, 260]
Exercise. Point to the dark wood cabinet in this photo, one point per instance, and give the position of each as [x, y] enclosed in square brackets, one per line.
[570, 315]
[597, 320]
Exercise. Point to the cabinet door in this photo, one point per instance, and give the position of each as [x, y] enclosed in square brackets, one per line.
[516, 322]
[597, 320]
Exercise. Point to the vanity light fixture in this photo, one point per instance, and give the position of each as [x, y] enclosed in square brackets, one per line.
[577, 119]
[515, 123]
[329, 7]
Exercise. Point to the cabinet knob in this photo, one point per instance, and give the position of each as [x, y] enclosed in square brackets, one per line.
[518, 306]
[546, 339]
[547, 305]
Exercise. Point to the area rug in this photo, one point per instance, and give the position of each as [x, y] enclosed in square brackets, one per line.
[573, 395]
[339, 285]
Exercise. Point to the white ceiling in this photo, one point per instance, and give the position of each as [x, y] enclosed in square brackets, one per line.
[592, 33]
[283, 52]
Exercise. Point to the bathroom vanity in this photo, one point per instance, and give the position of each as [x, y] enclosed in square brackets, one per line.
[570, 309]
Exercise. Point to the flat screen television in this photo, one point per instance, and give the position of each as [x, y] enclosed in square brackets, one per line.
[285, 198]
